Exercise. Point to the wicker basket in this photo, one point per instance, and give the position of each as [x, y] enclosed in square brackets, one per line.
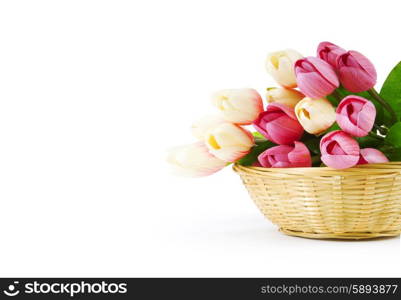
[357, 203]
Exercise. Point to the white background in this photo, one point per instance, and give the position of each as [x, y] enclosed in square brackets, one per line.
[92, 93]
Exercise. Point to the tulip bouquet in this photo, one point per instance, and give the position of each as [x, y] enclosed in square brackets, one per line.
[335, 118]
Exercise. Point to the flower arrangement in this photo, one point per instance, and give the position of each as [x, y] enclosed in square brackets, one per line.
[335, 118]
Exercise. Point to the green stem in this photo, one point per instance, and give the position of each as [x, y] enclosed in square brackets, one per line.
[383, 102]
[315, 159]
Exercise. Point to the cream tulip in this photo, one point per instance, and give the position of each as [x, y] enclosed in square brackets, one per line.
[286, 96]
[229, 142]
[200, 127]
[315, 115]
[194, 160]
[239, 106]
[280, 65]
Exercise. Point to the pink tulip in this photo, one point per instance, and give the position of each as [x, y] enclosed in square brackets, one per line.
[285, 156]
[356, 115]
[339, 150]
[315, 77]
[356, 72]
[279, 124]
[371, 156]
[329, 53]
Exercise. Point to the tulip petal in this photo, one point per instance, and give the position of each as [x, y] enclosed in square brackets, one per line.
[263, 160]
[229, 142]
[280, 65]
[365, 64]
[278, 154]
[329, 52]
[300, 156]
[312, 85]
[239, 106]
[372, 156]
[194, 160]
[285, 156]
[284, 130]
[279, 124]
[354, 80]
[315, 77]
[339, 150]
[273, 107]
[356, 72]
[325, 70]
[281, 164]
[347, 144]
[340, 161]
[366, 117]
[281, 149]
[286, 96]
[315, 115]
[272, 156]
[356, 115]
[203, 125]
[334, 148]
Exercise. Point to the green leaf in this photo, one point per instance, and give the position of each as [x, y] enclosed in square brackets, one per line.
[312, 142]
[333, 127]
[333, 99]
[394, 154]
[391, 90]
[369, 142]
[258, 137]
[394, 135]
[252, 156]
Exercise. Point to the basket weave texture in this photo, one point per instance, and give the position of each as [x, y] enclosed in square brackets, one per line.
[356, 203]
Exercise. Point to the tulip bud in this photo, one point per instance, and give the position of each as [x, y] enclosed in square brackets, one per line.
[289, 97]
[203, 125]
[239, 106]
[194, 160]
[285, 156]
[229, 142]
[315, 115]
[356, 115]
[356, 72]
[339, 150]
[279, 124]
[329, 53]
[371, 156]
[315, 77]
[280, 65]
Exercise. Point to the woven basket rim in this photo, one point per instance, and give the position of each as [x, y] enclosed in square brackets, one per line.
[356, 203]
[381, 168]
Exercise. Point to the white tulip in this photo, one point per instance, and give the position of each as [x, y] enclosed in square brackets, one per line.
[315, 115]
[239, 106]
[229, 142]
[287, 96]
[280, 65]
[194, 160]
[203, 125]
